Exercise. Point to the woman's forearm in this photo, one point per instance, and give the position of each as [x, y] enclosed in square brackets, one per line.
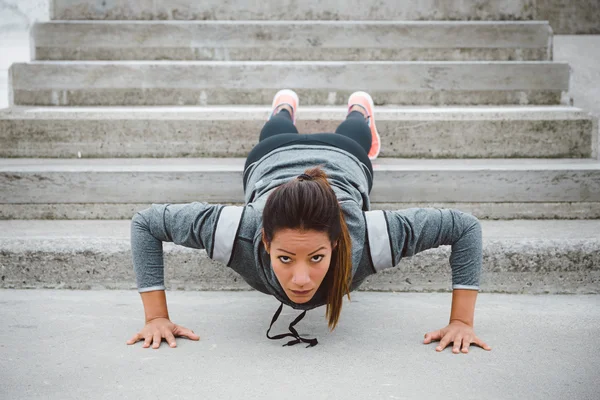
[155, 305]
[463, 306]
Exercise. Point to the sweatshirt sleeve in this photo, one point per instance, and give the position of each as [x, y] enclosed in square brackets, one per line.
[192, 225]
[414, 230]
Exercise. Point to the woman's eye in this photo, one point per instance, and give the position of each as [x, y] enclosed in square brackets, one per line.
[318, 258]
[284, 259]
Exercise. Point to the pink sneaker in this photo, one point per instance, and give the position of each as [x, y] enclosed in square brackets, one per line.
[364, 100]
[285, 97]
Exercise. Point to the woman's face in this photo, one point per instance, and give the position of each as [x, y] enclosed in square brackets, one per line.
[300, 260]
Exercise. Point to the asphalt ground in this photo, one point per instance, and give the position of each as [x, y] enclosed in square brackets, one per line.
[72, 345]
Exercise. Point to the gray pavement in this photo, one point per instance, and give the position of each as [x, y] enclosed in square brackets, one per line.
[71, 345]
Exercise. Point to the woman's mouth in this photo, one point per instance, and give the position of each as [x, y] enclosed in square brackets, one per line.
[301, 293]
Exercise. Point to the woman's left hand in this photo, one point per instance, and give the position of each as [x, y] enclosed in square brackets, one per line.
[461, 334]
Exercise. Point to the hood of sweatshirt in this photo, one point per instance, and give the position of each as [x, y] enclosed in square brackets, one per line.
[348, 178]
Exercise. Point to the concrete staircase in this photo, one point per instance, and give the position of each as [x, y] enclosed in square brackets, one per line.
[114, 115]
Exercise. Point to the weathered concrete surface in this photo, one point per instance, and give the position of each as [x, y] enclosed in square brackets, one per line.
[46, 181]
[293, 9]
[543, 347]
[570, 17]
[519, 257]
[565, 16]
[293, 40]
[494, 211]
[317, 83]
[428, 132]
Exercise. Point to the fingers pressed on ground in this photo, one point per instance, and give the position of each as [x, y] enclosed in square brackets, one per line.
[157, 340]
[456, 345]
[465, 345]
[481, 344]
[135, 338]
[170, 339]
[443, 343]
[432, 336]
[185, 332]
[147, 341]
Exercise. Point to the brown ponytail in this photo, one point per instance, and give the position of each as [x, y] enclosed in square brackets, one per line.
[342, 276]
[309, 203]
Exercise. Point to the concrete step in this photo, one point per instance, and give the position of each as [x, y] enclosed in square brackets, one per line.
[294, 9]
[519, 257]
[483, 210]
[439, 132]
[317, 82]
[562, 188]
[292, 40]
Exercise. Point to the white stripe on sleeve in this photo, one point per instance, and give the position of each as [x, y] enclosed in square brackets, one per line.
[379, 240]
[227, 227]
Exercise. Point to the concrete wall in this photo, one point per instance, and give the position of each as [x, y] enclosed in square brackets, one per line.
[565, 16]
[570, 17]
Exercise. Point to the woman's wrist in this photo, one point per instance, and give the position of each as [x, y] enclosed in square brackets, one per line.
[463, 306]
[155, 305]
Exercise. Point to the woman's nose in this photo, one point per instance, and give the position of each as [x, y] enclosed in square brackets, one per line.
[301, 276]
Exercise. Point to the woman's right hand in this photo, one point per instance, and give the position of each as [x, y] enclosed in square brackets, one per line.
[159, 328]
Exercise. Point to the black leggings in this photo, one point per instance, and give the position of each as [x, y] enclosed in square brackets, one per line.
[353, 135]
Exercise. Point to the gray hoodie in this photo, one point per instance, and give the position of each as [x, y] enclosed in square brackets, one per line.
[232, 234]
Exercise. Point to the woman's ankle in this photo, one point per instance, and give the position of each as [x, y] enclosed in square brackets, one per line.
[286, 107]
[360, 109]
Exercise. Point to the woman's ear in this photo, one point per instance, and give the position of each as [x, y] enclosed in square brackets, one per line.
[264, 240]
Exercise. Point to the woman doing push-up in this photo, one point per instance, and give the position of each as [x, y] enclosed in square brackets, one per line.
[306, 234]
